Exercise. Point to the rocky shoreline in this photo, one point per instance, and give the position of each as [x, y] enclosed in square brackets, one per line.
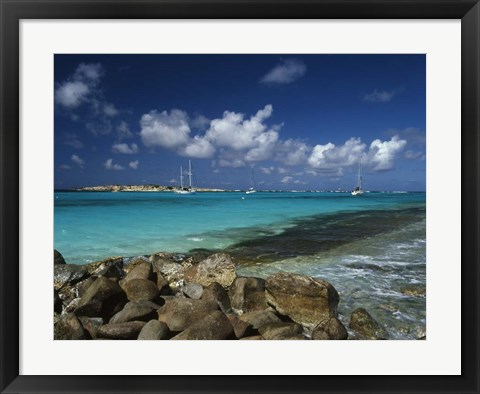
[198, 297]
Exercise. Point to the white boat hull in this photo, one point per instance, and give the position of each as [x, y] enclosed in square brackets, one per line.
[357, 192]
[250, 191]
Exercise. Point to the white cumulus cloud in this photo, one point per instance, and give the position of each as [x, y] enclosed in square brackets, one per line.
[287, 179]
[109, 165]
[380, 96]
[125, 148]
[288, 71]
[77, 160]
[133, 164]
[166, 130]
[71, 94]
[382, 153]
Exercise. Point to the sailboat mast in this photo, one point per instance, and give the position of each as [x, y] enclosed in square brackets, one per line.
[190, 174]
[360, 177]
[181, 177]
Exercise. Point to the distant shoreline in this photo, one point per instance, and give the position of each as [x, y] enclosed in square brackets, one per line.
[159, 188]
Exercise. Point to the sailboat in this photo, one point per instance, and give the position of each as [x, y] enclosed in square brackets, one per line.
[190, 189]
[252, 189]
[358, 189]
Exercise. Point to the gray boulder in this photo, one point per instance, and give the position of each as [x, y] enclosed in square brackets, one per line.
[180, 313]
[212, 327]
[365, 326]
[192, 290]
[216, 268]
[154, 330]
[128, 330]
[305, 300]
[67, 273]
[102, 299]
[142, 310]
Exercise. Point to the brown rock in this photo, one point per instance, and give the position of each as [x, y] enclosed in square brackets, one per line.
[365, 326]
[216, 268]
[68, 327]
[57, 257]
[142, 310]
[91, 325]
[212, 327]
[332, 327]
[128, 330]
[141, 270]
[103, 299]
[180, 313]
[140, 289]
[154, 330]
[98, 267]
[305, 300]
[414, 290]
[253, 338]
[216, 293]
[192, 290]
[248, 294]
[281, 330]
[259, 318]
[240, 328]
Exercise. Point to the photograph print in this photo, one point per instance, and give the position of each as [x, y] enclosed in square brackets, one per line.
[239, 197]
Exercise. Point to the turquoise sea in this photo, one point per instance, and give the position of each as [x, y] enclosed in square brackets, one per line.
[368, 247]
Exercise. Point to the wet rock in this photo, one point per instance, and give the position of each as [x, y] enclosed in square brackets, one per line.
[365, 326]
[276, 331]
[154, 330]
[140, 289]
[333, 327]
[102, 299]
[216, 268]
[214, 326]
[248, 294]
[67, 273]
[253, 338]
[57, 302]
[414, 290]
[68, 327]
[240, 328]
[162, 284]
[389, 307]
[57, 257]
[98, 267]
[180, 313]
[91, 325]
[424, 338]
[72, 305]
[320, 335]
[216, 293]
[171, 271]
[305, 300]
[192, 290]
[136, 311]
[128, 330]
[259, 318]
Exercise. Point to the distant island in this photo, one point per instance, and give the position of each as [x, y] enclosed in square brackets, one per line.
[137, 188]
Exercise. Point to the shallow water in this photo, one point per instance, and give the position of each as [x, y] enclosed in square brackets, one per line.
[368, 247]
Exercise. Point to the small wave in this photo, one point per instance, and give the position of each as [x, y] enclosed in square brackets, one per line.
[195, 239]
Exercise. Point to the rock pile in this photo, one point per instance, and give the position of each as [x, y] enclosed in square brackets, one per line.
[166, 296]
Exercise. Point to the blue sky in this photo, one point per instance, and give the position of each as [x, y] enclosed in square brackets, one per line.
[301, 121]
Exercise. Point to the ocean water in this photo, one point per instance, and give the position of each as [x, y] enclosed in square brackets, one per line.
[368, 247]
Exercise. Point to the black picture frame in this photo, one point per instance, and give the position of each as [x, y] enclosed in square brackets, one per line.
[12, 11]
